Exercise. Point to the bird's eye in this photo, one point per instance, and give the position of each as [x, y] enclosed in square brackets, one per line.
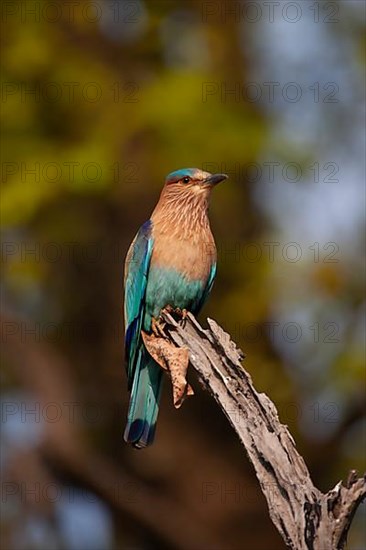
[187, 179]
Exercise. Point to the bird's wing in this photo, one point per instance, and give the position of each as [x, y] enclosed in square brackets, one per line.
[136, 272]
[208, 286]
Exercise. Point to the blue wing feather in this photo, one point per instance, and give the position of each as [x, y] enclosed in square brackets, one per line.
[144, 375]
[136, 273]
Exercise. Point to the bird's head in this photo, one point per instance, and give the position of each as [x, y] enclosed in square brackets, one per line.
[193, 180]
[184, 199]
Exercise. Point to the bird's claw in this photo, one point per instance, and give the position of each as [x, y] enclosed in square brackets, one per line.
[182, 313]
[157, 328]
[184, 317]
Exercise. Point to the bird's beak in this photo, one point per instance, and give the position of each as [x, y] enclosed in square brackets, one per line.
[214, 179]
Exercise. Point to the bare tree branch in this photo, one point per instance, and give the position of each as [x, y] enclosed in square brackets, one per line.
[306, 518]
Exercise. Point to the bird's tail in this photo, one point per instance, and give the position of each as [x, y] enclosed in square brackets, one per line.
[144, 401]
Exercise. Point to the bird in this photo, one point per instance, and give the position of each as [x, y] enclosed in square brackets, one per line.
[170, 262]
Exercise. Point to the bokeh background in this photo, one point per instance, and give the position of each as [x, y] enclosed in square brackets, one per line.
[100, 100]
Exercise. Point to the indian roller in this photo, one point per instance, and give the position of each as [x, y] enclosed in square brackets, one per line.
[171, 262]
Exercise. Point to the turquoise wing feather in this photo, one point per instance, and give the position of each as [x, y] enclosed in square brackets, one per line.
[136, 273]
[144, 375]
[208, 287]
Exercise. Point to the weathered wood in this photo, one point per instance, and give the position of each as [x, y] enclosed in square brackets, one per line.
[306, 518]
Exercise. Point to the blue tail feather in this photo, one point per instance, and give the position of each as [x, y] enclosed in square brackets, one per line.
[144, 401]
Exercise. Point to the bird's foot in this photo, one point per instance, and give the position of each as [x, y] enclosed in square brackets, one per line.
[173, 360]
[181, 313]
[157, 327]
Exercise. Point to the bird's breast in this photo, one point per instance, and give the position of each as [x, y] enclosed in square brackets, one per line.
[179, 271]
[191, 255]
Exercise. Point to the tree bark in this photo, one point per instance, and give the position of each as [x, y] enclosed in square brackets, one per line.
[306, 518]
